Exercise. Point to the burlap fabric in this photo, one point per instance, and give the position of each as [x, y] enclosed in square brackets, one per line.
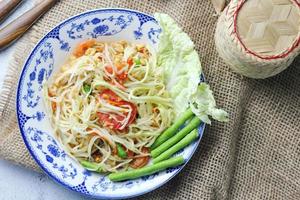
[254, 156]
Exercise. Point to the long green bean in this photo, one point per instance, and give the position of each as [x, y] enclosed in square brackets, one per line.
[180, 145]
[136, 173]
[121, 152]
[168, 133]
[194, 123]
[91, 166]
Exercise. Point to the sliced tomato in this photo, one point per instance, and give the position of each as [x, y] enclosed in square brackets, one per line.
[133, 113]
[109, 121]
[109, 69]
[112, 120]
[130, 61]
[140, 161]
[121, 78]
[130, 153]
[83, 46]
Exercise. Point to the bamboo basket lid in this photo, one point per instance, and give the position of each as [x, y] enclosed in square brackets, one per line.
[259, 38]
[268, 27]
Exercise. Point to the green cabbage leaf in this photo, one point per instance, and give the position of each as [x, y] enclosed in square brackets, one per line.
[182, 69]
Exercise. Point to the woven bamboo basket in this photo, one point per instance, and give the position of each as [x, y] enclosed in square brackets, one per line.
[259, 38]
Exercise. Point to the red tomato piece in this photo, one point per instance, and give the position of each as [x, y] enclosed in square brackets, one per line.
[120, 77]
[130, 61]
[109, 69]
[110, 122]
[113, 120]
[83, 46]
[133, 113]
[130, 153]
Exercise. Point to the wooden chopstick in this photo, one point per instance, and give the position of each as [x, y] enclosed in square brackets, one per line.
[20, 25]
[6, 6]
[219, 5]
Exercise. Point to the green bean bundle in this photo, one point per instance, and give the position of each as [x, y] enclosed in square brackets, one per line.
[194, 123]
[180, 145]
[171, 131]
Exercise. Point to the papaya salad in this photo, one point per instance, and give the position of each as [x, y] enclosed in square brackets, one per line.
[110, 101]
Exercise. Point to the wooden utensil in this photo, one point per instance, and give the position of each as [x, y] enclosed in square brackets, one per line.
[6, 6]
[19, 26]
[219, 5]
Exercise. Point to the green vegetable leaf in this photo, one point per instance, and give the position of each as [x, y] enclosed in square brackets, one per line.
[137, 61]
[204, 105]
[182, 70]
[87, 88]
[121, 152]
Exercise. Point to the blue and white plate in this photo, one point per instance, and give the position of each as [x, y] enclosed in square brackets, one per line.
[46, 58]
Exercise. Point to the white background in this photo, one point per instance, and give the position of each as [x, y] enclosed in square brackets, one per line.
[17, 183]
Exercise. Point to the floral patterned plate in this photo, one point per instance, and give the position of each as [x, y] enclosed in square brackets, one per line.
[48, 55]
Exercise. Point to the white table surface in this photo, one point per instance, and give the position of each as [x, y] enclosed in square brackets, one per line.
[17, 183]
